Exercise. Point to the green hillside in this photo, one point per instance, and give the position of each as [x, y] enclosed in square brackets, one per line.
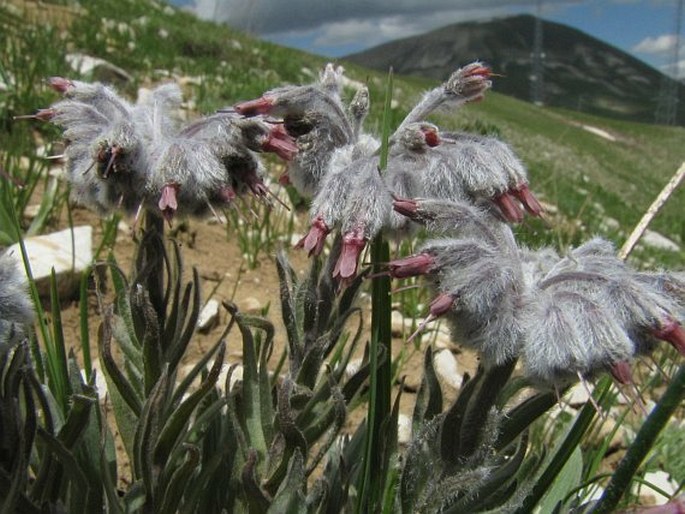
[593, 177]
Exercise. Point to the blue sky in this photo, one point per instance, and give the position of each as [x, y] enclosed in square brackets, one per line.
[644, 28]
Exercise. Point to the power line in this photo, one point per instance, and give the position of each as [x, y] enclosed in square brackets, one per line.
[667, 102]
[537, 84]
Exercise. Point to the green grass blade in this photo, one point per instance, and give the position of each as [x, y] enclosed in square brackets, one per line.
[83, 323]
[643, 443]
[372, 478]
[566, 449]
[56, 353]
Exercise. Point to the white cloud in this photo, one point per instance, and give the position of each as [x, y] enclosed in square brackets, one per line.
[677, 71]
[373, 31]
[268, 17]
[656, 45]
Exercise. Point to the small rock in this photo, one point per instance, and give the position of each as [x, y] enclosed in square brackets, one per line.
[443, 338]
[446, 368]
[124, 228]
[251, 305]
[55, 251]
[209, 316]
[218, 219]
[353, 366]
[578, 395]
[398, 324]
[656, 240]
[295, 238]
[663, 481]
[97, 68]
[31, 211]
[187, 81]
[236, 376]
[403, 429]
[100, 381]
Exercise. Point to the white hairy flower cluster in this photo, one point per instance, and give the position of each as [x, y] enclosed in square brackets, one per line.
[338, 165]
[123, 156]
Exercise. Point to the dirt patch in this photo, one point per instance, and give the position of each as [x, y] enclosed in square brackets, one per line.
[212, 250]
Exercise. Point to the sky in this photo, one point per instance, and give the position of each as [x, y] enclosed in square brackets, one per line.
[333, 28]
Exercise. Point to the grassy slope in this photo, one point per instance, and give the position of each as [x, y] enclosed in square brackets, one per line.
[585, 175]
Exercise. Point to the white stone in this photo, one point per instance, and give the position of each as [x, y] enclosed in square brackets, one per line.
[86, 64]
[55, 251]
[250, 305]
[599, 132]
[663, 481]
[236, 376]
[403, 429]
[295, 238]
[31, 211]
[442, 338]
[445, 365]
[578, 394]
[656, 240]
[209, 316]
[100, 381]
[352, 367]
[398, 325]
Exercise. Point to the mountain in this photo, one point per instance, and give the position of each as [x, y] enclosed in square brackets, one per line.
[580, 72]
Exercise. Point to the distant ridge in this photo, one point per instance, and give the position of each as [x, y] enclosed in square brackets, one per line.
[580, 72]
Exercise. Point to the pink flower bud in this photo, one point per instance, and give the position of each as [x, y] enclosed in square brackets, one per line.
[431, 136]
[41, 114]
[476, 69]
[60, 84]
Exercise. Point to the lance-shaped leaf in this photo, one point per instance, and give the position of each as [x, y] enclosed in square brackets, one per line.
[429, 397]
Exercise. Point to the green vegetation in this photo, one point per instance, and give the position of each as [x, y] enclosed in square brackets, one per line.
[282, 439]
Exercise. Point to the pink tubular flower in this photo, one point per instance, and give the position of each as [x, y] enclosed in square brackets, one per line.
[261, 105]
[411, 266]
[621, 372]
[406, 206]
[672, 332]
[352, 246]
[509, 207]
[314, 240]
[527, 198]
[168, 202]
[280, 143]
[441, 305]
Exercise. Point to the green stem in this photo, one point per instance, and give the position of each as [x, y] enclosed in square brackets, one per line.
[644, 441]
[570, 443]
[373, 475]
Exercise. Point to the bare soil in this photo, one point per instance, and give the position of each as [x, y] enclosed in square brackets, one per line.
[209, 247]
